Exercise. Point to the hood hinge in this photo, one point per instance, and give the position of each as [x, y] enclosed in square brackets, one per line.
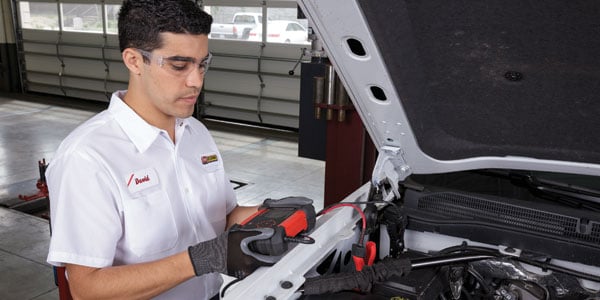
[391, 167]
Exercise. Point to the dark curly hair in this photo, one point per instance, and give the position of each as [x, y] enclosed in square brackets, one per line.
[141, 21]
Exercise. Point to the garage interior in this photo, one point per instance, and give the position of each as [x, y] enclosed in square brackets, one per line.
[483, 114]
[258, 103]
[261, 163]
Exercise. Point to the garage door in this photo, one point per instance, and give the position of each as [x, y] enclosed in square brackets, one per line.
[70, 48]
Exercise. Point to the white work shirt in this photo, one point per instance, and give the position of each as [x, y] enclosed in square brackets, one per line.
[122, 193]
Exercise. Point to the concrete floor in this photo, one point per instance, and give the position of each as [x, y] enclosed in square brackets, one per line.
[265, 162]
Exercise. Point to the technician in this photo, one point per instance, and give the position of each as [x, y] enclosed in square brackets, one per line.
[139, 196]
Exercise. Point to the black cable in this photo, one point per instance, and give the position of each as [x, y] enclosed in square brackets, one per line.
[465, 247]
[484, 285]
[542, 265]
[303, 239]
[360, 280]
[466, 294]
[229, 285]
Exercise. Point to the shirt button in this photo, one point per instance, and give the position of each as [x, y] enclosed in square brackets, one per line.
[187, 191]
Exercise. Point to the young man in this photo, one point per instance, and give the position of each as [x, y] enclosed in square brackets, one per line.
[139, 197]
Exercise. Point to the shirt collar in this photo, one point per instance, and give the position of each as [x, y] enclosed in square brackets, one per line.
[180, 126]
[183, 123]
[141, 134]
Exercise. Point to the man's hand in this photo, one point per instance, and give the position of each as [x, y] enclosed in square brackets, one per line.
[210, 256]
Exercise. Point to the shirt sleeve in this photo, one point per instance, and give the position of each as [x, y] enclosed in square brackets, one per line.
[230, 196]
[85, 217]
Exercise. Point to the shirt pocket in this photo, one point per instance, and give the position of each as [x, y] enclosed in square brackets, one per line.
[149, 223]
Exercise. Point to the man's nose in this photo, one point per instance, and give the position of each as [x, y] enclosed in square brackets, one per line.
[195, 78]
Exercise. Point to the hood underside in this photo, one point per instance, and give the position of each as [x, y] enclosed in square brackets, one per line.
[469, 84]
[480, 78]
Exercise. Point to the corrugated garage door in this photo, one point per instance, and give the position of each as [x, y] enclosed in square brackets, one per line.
[70, 48]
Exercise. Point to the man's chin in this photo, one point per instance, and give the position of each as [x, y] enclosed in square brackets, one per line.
[182, 114]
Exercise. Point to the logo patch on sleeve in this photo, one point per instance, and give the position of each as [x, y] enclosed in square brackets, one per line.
[141, 180]
[209, 158]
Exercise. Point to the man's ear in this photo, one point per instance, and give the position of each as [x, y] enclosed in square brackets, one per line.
[133, 60]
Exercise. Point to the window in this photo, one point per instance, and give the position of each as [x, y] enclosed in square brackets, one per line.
[248, 19]
[232, 22]
[295, 27]
[75, 17]
[285, 27]
[112, 17]
[81, 17]
[39, 15]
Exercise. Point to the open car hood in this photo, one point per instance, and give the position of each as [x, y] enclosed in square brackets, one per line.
[449, 86]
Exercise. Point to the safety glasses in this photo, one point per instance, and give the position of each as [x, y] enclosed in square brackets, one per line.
[178, 65]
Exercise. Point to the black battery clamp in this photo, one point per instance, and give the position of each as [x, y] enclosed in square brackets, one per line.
[263, 238]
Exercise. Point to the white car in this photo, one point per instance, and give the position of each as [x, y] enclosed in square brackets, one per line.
[281, 31]
[487, 181]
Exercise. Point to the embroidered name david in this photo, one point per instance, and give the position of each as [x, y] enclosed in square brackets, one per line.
[141, 179]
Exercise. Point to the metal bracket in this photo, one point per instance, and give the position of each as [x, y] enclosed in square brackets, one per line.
[392, 168]
[509, 251]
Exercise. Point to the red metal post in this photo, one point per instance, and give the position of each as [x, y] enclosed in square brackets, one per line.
[350, 157]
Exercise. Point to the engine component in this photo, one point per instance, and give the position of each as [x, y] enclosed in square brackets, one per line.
[520, 290]
[552, 230]
[420, 285]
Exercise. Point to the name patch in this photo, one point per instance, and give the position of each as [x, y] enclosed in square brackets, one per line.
[141, 180]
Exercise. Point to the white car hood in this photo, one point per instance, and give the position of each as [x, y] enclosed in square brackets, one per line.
[466, 85]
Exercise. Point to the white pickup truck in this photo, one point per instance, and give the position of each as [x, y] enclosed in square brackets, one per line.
[240, 27]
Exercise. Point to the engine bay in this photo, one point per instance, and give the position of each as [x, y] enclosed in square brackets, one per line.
[478, 235]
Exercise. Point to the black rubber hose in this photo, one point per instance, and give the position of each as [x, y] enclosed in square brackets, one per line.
[362, 280]
[381, 271]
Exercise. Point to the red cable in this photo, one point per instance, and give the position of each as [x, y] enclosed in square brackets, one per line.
[362, 215]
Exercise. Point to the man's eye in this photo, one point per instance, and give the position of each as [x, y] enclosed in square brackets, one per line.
[179, 66]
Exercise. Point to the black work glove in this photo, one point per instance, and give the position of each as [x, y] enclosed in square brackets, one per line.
[210, 256]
